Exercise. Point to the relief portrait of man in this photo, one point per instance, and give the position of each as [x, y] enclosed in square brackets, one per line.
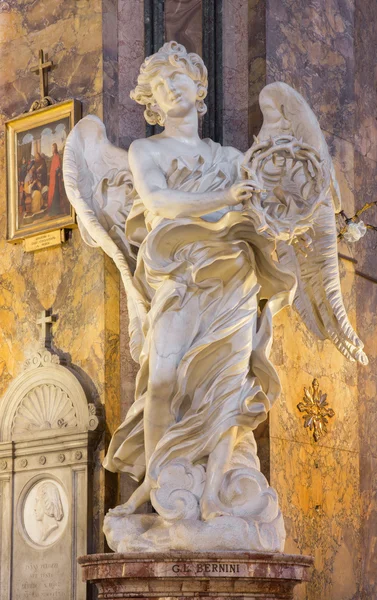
[48, 509]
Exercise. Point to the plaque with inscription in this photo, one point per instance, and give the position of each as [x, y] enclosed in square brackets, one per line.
[44, 240]
[40, 578]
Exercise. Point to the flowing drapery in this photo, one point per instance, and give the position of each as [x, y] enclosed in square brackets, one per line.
[220, 269]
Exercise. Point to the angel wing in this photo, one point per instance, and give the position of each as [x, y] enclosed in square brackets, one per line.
[318, 297]
[99, 186]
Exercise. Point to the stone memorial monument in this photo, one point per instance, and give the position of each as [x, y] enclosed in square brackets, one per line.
[47, 431]
[211, 244]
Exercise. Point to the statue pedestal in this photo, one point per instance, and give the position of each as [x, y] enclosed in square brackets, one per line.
[184, 575]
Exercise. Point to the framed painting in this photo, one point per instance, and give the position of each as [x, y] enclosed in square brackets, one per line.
[37, 202]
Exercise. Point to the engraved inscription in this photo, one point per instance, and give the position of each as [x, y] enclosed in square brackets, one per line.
[42, 582]
[45, 240]
[206, 568]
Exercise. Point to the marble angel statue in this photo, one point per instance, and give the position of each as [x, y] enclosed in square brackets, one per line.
[211, 244]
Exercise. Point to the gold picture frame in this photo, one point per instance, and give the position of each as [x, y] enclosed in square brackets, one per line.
[36, 198]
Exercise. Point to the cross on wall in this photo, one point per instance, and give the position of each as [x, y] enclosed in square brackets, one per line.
[45, 322]
[41, 68]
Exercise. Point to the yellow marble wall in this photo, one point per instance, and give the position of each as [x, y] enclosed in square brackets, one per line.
[318, 482]
[79, 282]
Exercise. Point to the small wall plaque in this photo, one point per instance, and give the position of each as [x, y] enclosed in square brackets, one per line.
[44, 240]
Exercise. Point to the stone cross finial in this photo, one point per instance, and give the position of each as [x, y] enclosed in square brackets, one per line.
[46, 320]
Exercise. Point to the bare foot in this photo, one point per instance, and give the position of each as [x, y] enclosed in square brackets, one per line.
[211, 507]
[140, 495]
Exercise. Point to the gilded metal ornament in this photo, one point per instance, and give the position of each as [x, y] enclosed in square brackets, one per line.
[317, 410]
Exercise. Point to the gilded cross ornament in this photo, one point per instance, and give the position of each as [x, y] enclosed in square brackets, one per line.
[317, 410]
[42, 69]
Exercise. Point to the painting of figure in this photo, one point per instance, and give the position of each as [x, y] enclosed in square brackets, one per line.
[41, 194]
[37, 202]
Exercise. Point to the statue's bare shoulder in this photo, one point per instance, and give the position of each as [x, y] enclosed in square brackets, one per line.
[143, 155]
[142, 146]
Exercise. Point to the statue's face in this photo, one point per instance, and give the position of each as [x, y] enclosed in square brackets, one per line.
[39, 509]
[174, 91]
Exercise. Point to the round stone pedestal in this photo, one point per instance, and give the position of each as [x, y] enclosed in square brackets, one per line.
[183, 575]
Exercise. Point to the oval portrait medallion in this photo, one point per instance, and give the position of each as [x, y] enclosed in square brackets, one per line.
[44, 512]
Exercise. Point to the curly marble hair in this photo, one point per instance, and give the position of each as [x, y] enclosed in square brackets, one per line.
[176, 55]
[52, 504]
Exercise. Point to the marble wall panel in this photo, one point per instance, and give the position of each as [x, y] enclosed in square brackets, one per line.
[235, 68]
[110, 71]
[365, 81]
[367, 302]
[311, 43]
[366, 181]
[256, 63]
[322, 514]
[183, 23]
[130, 56]
[366, 186]
[73, 41]
[368, 495]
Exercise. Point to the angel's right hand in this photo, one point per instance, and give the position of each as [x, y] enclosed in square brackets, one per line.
[241, 191]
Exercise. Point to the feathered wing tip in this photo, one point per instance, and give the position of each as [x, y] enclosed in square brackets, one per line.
[99, 187]
[318, 297]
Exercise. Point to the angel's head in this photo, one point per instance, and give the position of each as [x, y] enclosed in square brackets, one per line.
[170, 82]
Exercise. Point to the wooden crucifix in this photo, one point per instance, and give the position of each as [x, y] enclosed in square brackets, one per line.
[45, 321]
[42, 68]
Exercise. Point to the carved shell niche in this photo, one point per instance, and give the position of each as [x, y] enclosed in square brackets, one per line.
[44, 407]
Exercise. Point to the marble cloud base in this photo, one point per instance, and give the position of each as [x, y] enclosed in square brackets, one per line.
[182, 575]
